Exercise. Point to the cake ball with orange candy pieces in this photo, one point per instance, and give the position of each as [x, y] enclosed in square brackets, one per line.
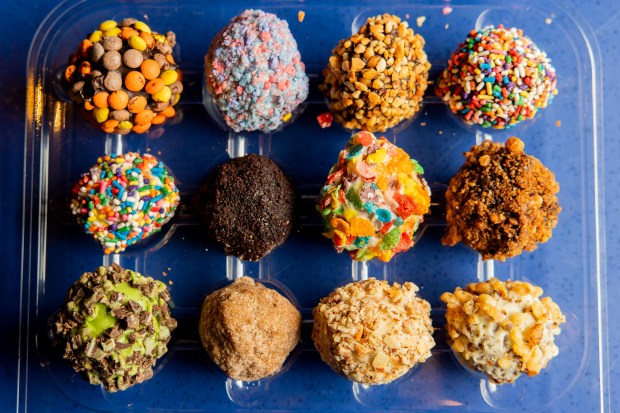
[374, 199]
[124, 78]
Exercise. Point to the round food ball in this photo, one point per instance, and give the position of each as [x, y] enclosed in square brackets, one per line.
[497, 78]
[376, 78]
[502, 329]
[371, 332]
[248, 329]
[123, 199]
[247, 206]
[111, 71]
[254, 72]
[115, 324]
[501, 202]
[373, 200]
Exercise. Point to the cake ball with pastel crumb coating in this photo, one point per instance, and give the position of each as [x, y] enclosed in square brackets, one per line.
[374, 199]
[115, 324]
[254, 72]
[124, 78]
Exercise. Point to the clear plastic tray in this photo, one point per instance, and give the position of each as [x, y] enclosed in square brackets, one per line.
[60, 145]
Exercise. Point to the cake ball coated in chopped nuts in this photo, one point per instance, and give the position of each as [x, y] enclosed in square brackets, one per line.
[503, 329]
[501, 202]
[115, 324]
[376, 78]
[372, 332]
[249, 329]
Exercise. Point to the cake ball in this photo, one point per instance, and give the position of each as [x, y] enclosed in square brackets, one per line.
[248, 329]
[254, 72]
[502, 329]
[376, 78]
[501, 202]
[123, 199]
[373, 200]
[497, 78]
[124, 77]
[247, 206]
[372, 332]
[115, 324]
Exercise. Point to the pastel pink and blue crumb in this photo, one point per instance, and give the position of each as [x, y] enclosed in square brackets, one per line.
[254, 72]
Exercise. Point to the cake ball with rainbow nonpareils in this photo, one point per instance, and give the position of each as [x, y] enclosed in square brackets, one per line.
[497, 78]
[123, 199]
[374, 199]
[254, 72]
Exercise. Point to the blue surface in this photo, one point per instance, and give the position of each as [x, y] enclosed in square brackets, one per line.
[23, 21]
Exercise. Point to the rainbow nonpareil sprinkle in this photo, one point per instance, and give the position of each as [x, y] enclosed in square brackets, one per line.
[497, 78]
[123, 199]
[374, 199]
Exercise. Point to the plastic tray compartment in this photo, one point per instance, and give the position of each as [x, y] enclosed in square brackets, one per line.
[60, 145]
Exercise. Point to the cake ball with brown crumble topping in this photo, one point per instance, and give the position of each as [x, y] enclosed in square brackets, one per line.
[501, 202]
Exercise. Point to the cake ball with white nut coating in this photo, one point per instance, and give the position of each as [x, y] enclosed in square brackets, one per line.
[372, 332]
[503, 329]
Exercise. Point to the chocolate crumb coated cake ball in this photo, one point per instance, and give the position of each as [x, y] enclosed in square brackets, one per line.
[254, 72]
[115, 324]
[247, 206]
[372, 332]
[503, 329]
[501, 202]
[376, 78]
[124, 77]
[497, 78]
[248, 329]
[373, 200]
[123, 199]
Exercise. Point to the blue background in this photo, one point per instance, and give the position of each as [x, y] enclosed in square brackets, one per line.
[21, 20]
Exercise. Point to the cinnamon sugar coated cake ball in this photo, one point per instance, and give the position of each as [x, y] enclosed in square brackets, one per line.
[501, 202]
[249, 329]
[376, 78]
[124, 199]
[254, 72]
[503, 329]
[373, 200]
[372, 332]
[497, 78]
[124, 78]
[114, 325]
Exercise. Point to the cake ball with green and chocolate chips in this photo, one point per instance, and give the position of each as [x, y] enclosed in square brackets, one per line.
[115, 324]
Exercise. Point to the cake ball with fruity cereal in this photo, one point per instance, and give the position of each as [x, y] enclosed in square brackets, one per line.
[254, 72]
[124, 78]
[374, 199]
[123, 199]
[497, 78]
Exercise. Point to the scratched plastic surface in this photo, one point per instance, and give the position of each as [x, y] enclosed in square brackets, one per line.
[60, 145]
